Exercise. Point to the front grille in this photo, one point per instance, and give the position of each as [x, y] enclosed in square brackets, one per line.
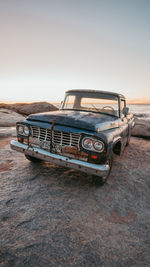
[41, 133]
[58, 137]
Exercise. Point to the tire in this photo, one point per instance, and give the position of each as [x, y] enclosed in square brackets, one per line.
[32, 159]
[128, 140]
[100, 180]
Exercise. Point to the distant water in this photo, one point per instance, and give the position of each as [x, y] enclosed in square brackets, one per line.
[142, 111]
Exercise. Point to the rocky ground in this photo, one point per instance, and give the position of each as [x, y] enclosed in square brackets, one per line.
[52, 216]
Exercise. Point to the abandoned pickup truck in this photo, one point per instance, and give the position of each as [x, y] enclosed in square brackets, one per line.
[90, 127]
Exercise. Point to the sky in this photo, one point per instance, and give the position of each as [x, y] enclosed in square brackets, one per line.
[50, 46]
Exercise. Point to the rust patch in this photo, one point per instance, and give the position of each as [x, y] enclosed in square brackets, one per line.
[73, 151]
[115, 217]
[6, 166]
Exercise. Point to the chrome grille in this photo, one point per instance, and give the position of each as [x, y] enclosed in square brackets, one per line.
[58, 137]
[41, 133]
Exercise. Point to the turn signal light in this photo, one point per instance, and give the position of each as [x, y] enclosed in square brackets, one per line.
[94, 157]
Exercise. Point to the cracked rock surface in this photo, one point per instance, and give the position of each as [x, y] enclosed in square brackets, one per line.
[53, 216]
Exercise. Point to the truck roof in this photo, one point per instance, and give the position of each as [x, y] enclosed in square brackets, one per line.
[95, 91]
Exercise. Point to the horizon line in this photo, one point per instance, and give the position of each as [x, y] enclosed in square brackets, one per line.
[128, 101]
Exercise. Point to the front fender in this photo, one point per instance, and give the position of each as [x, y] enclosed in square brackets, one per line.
[114, 141]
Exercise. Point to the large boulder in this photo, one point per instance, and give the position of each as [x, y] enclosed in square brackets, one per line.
[9, 117]
[142, 127]
[11, 113]
[31, 108]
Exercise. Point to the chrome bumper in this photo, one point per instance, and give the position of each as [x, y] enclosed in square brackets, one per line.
[89, 168]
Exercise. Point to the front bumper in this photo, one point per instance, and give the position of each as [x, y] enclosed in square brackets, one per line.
[89, 168]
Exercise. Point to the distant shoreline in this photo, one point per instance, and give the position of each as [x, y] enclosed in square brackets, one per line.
[128, 103]
[138, 101]
[58, 103]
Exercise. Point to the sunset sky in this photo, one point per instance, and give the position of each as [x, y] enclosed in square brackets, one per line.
[49, 46]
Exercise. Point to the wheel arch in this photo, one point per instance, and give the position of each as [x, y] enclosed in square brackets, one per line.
[117, 146]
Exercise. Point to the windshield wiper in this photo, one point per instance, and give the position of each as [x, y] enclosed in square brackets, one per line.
[86, 110]
[95, 107]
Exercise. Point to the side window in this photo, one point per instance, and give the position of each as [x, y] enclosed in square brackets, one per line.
[69, 103]
[122, 105]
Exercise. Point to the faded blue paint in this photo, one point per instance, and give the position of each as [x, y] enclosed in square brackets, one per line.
[77, 119]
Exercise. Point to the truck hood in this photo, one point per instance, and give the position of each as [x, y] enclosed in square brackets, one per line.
[77, 119]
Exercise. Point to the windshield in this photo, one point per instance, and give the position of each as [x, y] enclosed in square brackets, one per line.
[100, 104]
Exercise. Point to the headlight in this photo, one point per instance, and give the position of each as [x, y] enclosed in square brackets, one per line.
[93, 144]
[87, 143]
[20, 129]
[23, 130]
[26, 130]
[99, 146]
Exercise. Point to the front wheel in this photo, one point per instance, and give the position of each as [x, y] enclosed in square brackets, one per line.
[102, 179]
[33, 159]
[128, 139]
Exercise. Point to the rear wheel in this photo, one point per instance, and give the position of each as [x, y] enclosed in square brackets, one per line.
[100, 180]
[33, 159]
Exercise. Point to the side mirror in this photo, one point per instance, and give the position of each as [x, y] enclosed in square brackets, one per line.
[125, 111]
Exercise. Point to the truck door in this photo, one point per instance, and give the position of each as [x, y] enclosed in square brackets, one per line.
[124, 122]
